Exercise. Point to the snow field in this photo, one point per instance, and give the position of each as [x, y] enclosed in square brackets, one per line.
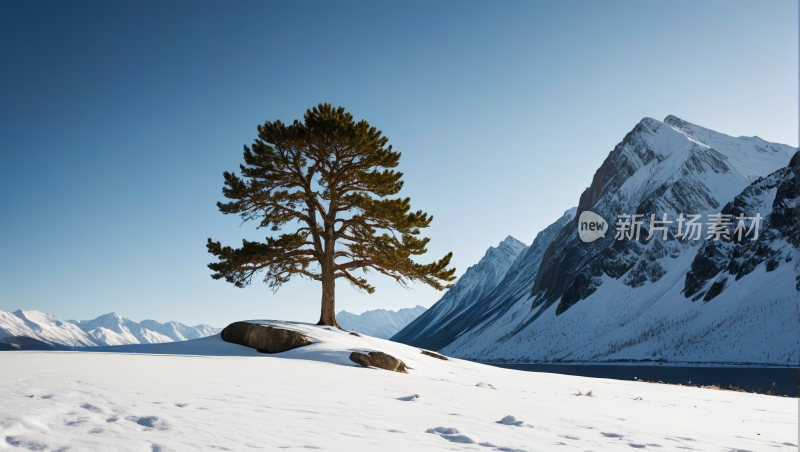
[206, 394]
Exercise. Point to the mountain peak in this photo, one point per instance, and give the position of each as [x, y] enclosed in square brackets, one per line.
[504, 275]
[21, 311]
[508, 249]
[512, 242]
[111, 316]
[673, 120]
[680, 125]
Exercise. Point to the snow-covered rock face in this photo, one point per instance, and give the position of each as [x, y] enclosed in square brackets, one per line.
[109, 329]
[438, 326]
[669, 167]
[777, 197]
[379, 322]
[680, 301]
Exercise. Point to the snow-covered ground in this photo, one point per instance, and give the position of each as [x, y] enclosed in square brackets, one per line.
[206, 394]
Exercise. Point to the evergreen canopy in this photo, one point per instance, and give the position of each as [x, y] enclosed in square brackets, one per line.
[331, 176]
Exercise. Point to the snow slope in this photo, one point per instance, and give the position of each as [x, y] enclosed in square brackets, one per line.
[480, 279]
[435, 332]
[379, 322]
[206, 394]
[109, 329]
[675, 300]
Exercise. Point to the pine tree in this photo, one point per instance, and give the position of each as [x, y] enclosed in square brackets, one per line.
[331, 176]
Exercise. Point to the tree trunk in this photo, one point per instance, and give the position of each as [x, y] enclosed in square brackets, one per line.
[328, 314]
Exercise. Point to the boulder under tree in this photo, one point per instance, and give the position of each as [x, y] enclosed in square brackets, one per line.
[265, 339]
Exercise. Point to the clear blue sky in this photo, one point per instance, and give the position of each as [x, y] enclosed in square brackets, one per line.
[117, 120]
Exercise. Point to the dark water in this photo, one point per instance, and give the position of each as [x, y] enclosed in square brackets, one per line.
[749, 378]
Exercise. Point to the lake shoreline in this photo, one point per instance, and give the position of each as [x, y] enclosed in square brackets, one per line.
[749, 378]
[645, 363]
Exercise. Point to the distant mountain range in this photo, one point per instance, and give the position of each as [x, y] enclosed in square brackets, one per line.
[379, 322]
[731, 300]
[109, 329]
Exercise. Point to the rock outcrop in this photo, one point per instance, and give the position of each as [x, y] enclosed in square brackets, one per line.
[433, 354]
[265, 339]
[380, 360]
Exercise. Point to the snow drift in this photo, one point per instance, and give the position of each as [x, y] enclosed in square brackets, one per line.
[207, 394]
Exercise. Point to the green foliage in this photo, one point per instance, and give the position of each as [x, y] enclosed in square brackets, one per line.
[332, 176]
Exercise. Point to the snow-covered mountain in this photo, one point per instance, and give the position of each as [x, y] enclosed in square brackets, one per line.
[178, 331]
[679, 300]
[667, 167]
[43, 327]
[434, 328]
[113, 329]
[379, 322]
[109, 329]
